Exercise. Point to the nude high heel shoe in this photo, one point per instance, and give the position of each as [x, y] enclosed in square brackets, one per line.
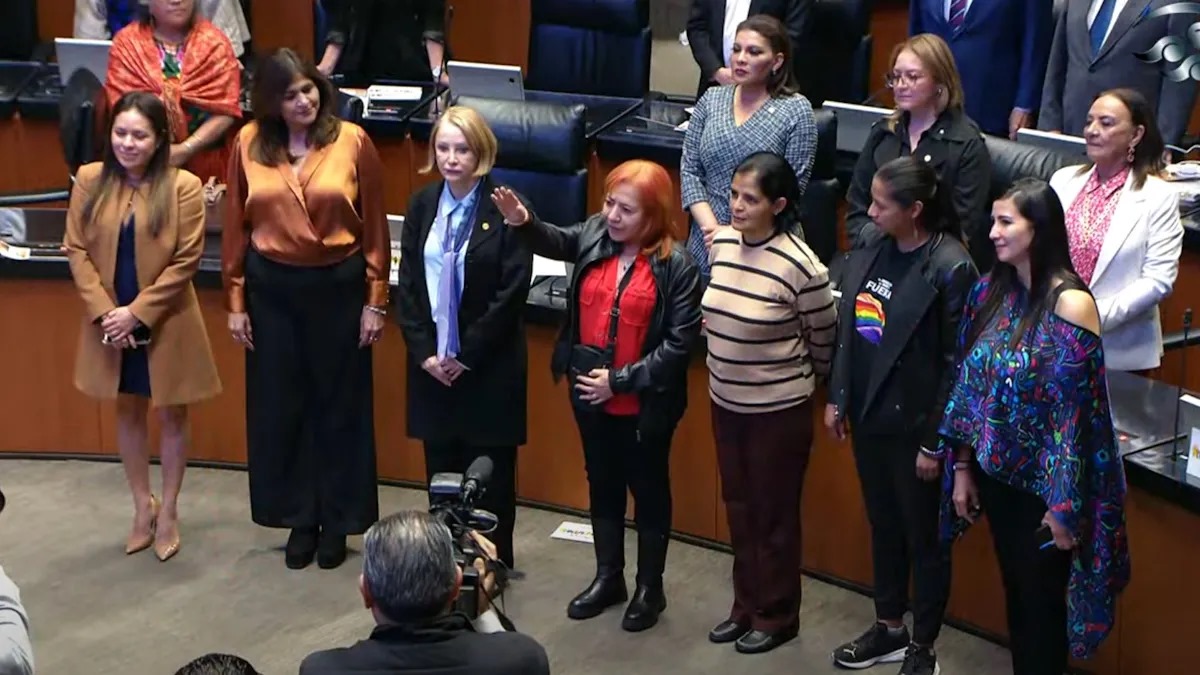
[166, 549]
[136, 541]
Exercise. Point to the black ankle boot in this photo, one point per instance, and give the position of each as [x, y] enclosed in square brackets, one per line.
[331, 551]
[608, 588]
[301, 546]
[648, 600]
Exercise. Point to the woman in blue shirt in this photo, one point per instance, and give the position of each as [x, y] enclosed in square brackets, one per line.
[463, 281]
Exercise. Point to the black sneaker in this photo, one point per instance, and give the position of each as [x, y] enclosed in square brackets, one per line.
[920, 661]
[877, 645]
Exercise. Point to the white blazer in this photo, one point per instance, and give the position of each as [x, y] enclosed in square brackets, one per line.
[1138, 263]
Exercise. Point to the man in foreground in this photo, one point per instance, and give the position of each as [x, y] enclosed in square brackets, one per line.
[410, 582]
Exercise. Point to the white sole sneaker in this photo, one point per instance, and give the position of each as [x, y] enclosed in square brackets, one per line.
[891, 657]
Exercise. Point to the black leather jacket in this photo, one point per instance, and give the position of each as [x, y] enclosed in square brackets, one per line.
[660, 376]
[914, 368]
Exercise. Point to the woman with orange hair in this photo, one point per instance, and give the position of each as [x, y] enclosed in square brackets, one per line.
[632, 321]
[176, 54]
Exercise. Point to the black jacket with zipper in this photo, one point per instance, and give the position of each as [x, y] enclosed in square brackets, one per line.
[915, 363]
[659, 377]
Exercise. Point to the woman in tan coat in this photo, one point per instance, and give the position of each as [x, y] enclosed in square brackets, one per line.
[135, 233]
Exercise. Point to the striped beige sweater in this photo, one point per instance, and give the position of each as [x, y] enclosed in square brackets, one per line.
[771, 320]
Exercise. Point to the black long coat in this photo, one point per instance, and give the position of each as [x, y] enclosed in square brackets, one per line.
[486, 406]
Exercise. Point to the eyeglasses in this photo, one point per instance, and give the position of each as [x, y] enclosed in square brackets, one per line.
[910, 78]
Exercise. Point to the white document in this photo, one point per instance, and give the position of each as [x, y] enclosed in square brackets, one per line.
[580, 532]
[545, 267]
[394, 272]
[384, 92]
[13, 252]
[1193, 455]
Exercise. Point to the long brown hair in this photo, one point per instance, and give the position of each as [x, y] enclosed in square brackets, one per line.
[159, 174]
[781, 82]
[272, 78]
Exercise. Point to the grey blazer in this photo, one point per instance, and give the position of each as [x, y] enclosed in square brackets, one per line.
[1074, 78]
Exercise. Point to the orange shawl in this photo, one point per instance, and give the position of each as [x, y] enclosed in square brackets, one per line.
[210, 80]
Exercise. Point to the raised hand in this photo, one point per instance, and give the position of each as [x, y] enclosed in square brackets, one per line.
[514, 212]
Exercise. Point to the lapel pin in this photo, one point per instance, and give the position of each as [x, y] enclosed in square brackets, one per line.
[486, 226]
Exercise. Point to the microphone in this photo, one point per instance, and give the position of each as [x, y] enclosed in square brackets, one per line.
[873, 99]
[438, 104]
[476, 478]
[446, 36]
[1187, 326]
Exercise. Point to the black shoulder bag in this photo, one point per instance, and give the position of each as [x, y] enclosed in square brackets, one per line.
[586, 358]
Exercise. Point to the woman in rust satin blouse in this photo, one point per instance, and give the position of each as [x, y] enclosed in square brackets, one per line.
[629, 381]
[305, 255]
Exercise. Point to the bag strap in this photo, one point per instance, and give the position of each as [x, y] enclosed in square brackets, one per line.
[615, 313]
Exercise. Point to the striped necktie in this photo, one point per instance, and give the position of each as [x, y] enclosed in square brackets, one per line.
[958, 12]
[1099, 28]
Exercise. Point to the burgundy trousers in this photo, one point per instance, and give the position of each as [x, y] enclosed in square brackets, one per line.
[762, 458]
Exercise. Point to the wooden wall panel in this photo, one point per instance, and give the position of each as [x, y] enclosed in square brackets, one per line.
[56, 18]
[1158, 608]
[397, 176]
[282, 23]
[42, 165]
[1186, 294]
[39, 333]
[490, 31]
[836, 534]
[398, 456]
[550, 466]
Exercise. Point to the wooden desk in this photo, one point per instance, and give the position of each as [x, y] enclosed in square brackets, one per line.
[45, 414]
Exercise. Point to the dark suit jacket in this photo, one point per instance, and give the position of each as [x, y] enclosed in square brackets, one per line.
[444, 648]
[486, 405]
[706, 34]
[1001, 52]
[1074, 78]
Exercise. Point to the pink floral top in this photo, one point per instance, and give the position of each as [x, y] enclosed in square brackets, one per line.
[1088, 219]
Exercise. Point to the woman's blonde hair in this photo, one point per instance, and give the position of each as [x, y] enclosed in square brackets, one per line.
[938, 61]
[475, 129]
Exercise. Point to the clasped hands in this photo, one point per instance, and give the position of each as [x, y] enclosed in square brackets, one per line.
[118, 326]
[445, 370]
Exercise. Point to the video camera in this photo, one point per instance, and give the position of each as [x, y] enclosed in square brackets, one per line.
[452, 498]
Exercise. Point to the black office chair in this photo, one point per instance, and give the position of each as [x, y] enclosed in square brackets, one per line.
[821, 197]
[1012, 161]
[599, 47]
[82, 142]
[350, 108]
[547, 142]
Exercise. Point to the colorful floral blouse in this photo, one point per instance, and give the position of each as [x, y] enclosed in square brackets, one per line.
[1038, 418]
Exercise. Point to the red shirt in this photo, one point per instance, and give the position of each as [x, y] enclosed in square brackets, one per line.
[597, 290]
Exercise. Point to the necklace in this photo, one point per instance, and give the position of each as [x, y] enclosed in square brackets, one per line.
[624, 263]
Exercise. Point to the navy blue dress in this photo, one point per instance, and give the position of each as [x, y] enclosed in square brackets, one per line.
[135, 367]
